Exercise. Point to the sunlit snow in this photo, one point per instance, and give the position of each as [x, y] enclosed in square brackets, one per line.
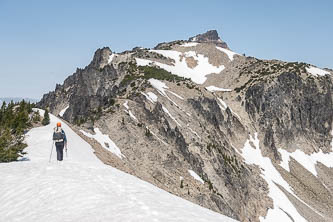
[111, 57]
[214, 89]
[82, 188]
[196, 176]
[307, 161]
[229, 53]
[224, 105]
[129, 111]
[62, 112]
[159, 86]
[316, 71]
[252, 155]
[150, 96]
[171, 116]
[197, 74]
[189, 44]
[105, 141]
[176, 95]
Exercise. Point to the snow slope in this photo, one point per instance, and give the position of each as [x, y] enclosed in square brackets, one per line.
[82, 188]
[282, 205]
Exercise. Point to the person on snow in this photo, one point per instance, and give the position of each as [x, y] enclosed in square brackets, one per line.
[59, 137]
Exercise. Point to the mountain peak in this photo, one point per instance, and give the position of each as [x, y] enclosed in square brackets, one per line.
[101, 57]
[210, 36]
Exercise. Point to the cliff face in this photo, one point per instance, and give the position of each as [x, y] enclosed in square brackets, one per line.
[293, 110]
[195, 106]
[86, 90]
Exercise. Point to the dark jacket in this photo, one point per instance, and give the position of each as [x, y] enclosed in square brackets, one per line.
[63, 133]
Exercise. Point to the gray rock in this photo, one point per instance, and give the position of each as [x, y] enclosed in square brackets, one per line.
[210, 36]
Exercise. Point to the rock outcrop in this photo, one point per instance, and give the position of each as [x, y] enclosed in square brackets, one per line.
[209, 37]
[166, 125]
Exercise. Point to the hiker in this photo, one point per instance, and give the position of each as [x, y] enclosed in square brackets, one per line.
[59, 137]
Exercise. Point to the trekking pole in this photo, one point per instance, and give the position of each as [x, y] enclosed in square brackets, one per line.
[51, 152]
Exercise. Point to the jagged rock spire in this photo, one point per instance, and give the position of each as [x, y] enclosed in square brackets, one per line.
[210, 36]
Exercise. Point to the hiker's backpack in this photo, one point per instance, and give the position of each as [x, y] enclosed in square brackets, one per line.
[58, 135]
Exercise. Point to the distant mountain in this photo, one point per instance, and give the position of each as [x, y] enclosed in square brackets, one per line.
[246, 137]
[16, 99]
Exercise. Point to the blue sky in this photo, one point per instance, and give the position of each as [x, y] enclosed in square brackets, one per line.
[43, 42]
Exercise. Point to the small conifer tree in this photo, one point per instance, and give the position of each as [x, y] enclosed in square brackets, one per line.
[36, 117]
[46, 120]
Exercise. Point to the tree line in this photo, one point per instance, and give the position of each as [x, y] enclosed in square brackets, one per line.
[15, 120]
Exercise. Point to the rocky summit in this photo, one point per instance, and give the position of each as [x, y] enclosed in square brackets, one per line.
[245, 137]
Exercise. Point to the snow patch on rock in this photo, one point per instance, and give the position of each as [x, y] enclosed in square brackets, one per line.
[173, 118]
[214, 89]
[152, 97]
[307, 161]
[252, 155]
[159, 86]
[129, 111]
[316, 71]
[105, 142]
[189, 44]
[176, 95]
[229, 53]
[126, 104]
[111, 57]
[196, 176]
[180, 68]
[223, 105]
[62, 112]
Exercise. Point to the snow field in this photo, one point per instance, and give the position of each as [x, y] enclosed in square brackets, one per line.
[82, 188]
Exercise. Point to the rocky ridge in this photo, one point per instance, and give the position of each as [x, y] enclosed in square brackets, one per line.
[166, 123]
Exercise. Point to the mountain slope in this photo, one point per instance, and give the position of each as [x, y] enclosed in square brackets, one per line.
[82, 188]
[193, 106]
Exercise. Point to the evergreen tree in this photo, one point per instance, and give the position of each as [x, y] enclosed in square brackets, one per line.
[46, 120]
[15, 119]
[36, 117]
